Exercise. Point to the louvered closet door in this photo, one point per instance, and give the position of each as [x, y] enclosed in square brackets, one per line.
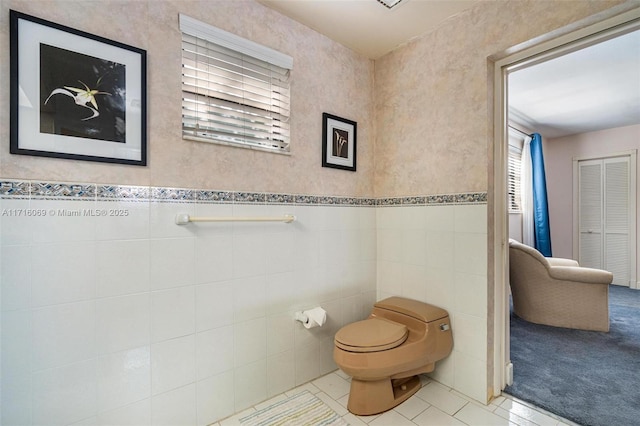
[616, 219]
[590, 213]
[603, 216]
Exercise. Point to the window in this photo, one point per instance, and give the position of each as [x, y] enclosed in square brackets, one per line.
[234, 91]
[513, 178]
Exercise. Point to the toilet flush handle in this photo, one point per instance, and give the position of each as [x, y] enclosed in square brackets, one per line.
[444, 326]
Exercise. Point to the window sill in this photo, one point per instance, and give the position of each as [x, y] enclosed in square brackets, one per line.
[235, 145]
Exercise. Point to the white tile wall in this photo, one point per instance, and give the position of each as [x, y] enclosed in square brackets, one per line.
[175, 407]
[62, 272]
[63, 334]
[173, 364]
[214, 352]
[122, 322]
[123, 378]
[215, 397]
[64, 394]
[172, 313]
[133, 226]
[136, 414]
[437, 254]
[16, 277]
[131, 276]
[280, 375]
[214, 305]
[135, 320]
[172, 263]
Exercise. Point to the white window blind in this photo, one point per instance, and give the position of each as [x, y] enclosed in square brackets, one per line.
[234, 91]
[514, 159]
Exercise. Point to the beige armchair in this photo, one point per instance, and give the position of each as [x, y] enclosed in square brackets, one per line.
[557, 292]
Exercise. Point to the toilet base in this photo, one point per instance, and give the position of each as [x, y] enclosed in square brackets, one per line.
[373, 397]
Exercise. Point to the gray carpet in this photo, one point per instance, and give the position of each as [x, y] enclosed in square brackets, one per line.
[589, 377]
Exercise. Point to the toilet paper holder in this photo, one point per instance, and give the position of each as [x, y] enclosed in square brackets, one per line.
[311, 318]
[302, 317]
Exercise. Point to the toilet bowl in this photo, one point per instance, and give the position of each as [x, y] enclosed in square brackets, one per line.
[384, 353]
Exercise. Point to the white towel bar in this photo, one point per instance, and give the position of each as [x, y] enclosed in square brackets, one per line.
[183, 219]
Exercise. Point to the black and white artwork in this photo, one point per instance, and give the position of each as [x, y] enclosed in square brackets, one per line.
[338, 142]
[76, 95]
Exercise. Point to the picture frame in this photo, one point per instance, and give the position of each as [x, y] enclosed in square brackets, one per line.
[339, 142]
[75, 95]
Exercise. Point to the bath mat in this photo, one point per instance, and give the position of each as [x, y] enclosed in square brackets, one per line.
[301, 409]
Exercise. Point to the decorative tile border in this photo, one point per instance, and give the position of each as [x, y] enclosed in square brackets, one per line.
[122, 192]
[389, 202]
[62, 190]
[305, 199]
[214, 196]
[14, 189]
[10, 189]
[249, 198]
[172, 194]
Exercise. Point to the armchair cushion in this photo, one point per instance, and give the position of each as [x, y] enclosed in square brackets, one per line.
[559, 261]
[580, 274]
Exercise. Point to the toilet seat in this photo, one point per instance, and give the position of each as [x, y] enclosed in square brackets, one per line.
[371, 335]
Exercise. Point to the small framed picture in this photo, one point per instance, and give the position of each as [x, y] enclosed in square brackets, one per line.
[338, 142]
[76, 95]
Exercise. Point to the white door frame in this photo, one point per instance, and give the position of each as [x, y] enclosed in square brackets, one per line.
[609, 24]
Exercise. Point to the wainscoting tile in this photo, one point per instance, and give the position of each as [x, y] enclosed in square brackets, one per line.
[172, 313]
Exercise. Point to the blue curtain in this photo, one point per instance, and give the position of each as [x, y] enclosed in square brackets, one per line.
[540, 206]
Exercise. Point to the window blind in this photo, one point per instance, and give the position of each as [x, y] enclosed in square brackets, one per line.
[234, 91]
[514, 160]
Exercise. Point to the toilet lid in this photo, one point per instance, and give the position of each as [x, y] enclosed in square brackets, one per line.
[371, 335]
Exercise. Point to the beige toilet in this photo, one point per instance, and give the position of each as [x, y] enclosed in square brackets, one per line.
[385, 353]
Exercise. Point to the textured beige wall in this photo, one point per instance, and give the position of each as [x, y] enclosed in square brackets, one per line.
[431, 98]
[327, 77]
[432, 95]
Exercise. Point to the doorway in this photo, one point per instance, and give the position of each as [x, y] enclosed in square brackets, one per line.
[600, 31]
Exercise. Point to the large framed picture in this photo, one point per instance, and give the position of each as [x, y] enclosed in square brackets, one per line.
[76, 95]
[338, 142]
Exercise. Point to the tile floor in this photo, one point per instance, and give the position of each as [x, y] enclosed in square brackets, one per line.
[433, 405]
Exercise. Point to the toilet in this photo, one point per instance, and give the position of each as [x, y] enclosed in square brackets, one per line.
[384, 353]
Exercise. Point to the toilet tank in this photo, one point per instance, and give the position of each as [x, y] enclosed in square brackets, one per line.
[419, 310]
[427, 323]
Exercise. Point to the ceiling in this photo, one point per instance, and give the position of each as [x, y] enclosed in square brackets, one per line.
[367, 26]
[591, 89]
